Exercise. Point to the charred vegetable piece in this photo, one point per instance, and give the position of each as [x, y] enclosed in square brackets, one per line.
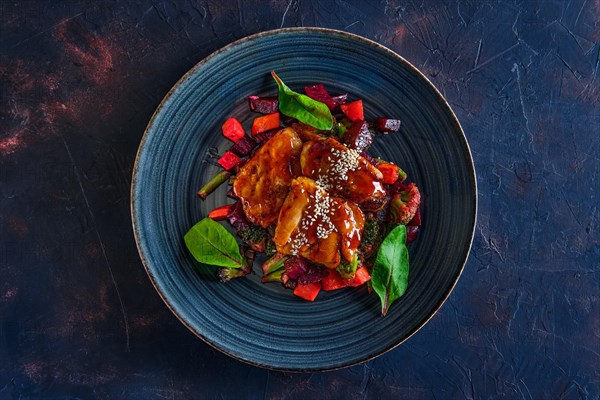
[390, 172]
[244, 146]
[387, 124]
[214, 183]
[308, 291]
[404, 205]
[228, 160]
[372, 237]
[358, 137]
[233, 130]
[353, 110]
[319, 93]
[263, 105]
[265, 123]
[220, 213]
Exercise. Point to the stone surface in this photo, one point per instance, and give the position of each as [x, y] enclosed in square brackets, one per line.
[79, 82]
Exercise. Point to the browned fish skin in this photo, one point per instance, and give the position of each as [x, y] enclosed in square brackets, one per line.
[327, 162]
[263, 182]
[317, 226]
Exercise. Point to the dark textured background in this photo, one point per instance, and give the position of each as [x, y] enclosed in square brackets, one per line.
[79, 82]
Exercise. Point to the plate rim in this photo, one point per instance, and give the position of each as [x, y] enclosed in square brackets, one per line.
[414, 70]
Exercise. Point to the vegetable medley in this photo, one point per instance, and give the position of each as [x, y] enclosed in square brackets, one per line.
[325, 214]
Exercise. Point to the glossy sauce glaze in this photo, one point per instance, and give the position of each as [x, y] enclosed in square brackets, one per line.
[343, 172]
[262, 184]
[317, 226]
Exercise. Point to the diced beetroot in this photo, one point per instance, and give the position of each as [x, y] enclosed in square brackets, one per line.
[265, 123]
[237, 218]
[263, 105]
[231, 194]
[416, 220]
[228, 160]
[370, 158]
[314, 273]
[387, 124]
[295, 267]
[244, 146]
[308, 292]
[287, 121]
[358, 136]
[353, 110]
[233, 130]
[220, 213]
[319, 93]
[240, 165]
[411, 233]
[340, 99]
[263, 137]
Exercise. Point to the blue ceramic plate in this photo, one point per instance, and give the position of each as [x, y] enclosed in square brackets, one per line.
[266, 325]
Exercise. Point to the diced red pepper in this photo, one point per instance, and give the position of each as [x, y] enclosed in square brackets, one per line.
[387, 124]
[263, 105]
[229, 160]
[390, 172]
[233, 130]
[319, 93]
[333, 281]
[308, 291]
[220, 213]
[265, 123]
[353, 110]
[361, 276]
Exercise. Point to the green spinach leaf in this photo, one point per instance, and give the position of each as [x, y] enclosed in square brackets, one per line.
[390, 271]
[210, 243]
[302, 107]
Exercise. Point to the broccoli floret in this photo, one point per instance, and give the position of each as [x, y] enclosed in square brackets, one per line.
[227, 274]
[254, 236]
[371, 237]
[404, 204]
[271, 248]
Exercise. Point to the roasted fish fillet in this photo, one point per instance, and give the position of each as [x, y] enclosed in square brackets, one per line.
[343, 172]
[317, 226]
[263, 182]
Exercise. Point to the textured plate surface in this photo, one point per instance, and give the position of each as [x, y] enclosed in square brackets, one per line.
[266, 325]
